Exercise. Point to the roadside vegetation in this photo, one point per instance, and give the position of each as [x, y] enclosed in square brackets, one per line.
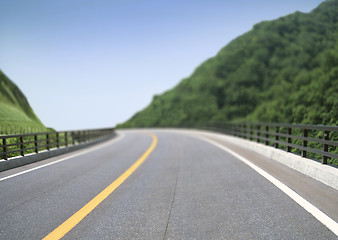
[16, 115]
[284, 70]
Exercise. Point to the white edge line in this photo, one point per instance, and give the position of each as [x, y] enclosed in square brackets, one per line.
[120, 137]
[319, 215]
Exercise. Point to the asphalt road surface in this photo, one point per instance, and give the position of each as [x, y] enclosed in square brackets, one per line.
[181, 187]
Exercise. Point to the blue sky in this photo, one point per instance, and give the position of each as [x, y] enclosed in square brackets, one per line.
[94, 63]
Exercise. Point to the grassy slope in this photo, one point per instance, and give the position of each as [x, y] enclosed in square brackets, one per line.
[15, 112]
[284, 70]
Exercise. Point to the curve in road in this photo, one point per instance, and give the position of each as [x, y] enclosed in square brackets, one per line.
[187, 189]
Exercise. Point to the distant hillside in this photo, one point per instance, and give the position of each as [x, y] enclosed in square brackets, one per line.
[15, 111]
[284, 70]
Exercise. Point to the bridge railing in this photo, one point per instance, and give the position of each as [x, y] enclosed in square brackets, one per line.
[23, 144]
[311, 141]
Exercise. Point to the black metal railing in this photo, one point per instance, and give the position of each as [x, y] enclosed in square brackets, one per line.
[311, 141]
[23, 144]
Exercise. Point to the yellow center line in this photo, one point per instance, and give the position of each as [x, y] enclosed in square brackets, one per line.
[71, 222]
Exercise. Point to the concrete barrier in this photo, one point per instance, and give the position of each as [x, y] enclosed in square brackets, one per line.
[35, 157]
[323, 173]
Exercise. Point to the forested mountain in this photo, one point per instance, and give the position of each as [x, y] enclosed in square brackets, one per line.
[284, 70]
[15, 112]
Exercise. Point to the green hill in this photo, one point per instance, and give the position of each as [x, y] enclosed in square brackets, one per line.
[16, 115]
[284, 70]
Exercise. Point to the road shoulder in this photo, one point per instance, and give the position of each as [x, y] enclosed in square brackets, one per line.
[324, 197]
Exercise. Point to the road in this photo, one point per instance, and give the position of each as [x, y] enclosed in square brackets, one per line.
[182, 187]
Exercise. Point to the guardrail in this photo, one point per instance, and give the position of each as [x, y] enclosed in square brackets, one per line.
[311, 141]
[23, 144]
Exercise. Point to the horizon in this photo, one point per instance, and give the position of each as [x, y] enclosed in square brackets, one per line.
[86, 57]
